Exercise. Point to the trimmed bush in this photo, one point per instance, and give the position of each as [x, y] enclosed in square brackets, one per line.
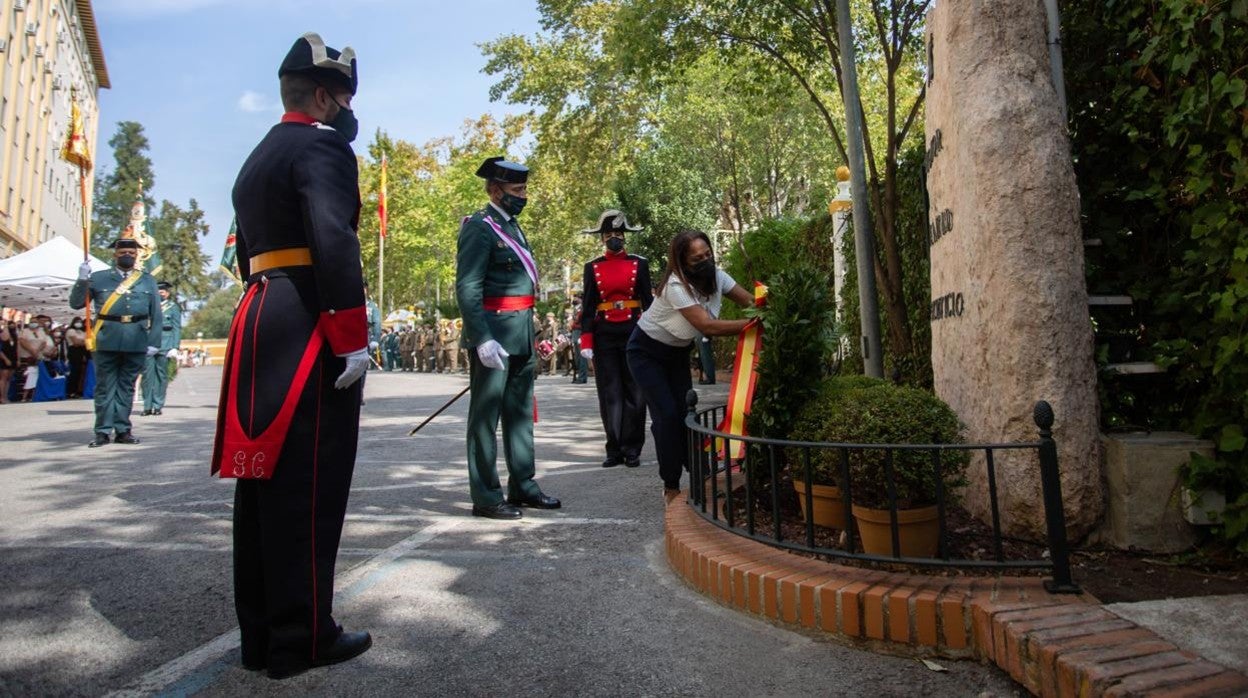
[861, 410]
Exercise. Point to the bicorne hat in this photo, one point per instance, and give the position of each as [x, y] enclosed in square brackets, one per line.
[497, 169]
[612, 221]
[310, 56]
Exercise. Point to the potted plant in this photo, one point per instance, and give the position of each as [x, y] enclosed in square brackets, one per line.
[866, 411]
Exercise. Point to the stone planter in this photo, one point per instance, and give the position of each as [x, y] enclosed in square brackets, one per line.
[827, 502]
[1198, 506]
[917, 529]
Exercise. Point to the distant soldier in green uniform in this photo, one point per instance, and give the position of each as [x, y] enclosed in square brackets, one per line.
[373, 314]
[126, 328]
[390, 349]
[495, 284]
[156, 372]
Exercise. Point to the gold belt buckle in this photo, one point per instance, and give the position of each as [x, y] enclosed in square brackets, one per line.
[127, 318]
[619, 305]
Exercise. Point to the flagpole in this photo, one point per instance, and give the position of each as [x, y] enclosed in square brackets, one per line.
[86, 245]
[381, 241]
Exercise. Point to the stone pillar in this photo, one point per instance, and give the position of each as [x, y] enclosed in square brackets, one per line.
[840, 208]
[1009, 312]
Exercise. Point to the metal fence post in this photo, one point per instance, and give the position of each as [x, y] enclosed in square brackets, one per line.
[1054, 516]
[691, 446]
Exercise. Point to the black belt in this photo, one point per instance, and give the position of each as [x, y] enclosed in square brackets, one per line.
[123, 318]
[167, 328]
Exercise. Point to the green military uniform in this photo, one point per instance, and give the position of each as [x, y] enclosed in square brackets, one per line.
[487, 267]
[373, 315]
[126, 332]
[156, 370]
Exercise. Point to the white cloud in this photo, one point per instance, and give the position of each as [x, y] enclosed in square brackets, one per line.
[255, 102]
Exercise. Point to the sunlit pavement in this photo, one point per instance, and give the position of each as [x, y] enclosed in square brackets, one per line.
[116, 571]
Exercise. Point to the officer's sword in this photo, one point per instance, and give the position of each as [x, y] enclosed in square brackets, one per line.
[440, 410]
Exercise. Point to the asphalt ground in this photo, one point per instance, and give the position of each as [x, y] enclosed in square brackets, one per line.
[116, 576]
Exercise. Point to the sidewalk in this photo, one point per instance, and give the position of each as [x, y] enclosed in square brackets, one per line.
[117, 570]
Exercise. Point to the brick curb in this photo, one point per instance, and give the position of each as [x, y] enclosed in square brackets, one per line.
[1054, 645]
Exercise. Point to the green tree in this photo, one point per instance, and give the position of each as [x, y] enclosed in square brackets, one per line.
[214, 316]
[117, 189]
[178, 232]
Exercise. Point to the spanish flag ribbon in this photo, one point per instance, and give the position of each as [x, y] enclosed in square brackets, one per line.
[381, 199]
[744, 378]
[75, 149]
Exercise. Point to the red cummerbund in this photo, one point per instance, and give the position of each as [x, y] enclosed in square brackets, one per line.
[507, 302]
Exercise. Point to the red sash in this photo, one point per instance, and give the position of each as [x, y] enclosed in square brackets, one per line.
[255, 458]
[506, 303]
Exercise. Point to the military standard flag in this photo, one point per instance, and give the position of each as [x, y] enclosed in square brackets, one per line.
[75, 149]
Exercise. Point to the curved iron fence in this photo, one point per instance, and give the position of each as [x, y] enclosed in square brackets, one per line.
[722, 476]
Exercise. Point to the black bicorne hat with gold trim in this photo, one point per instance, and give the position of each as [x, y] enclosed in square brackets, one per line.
[497, 169]
[612, 221]
[329, 66]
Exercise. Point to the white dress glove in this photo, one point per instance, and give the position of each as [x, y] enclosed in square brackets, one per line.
[153, 351]
[172, 354]
[493, 355]
[372, 346]
[588, 354]
[84, 271]
[357, 363]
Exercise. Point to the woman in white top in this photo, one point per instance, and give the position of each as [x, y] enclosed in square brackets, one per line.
[687, 301]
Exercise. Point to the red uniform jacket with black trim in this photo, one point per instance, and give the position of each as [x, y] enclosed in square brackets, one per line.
[615, 277]
[299, 188]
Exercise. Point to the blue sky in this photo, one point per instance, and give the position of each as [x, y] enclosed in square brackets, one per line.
[201, 76]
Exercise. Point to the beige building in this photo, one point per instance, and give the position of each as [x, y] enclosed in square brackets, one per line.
[49, 49]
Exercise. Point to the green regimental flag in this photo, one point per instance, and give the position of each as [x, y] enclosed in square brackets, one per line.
[229, 257]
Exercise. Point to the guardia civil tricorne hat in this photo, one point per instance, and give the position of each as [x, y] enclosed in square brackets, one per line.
[310, 56]
[612, 221]
[164, 285]
[497, 169]
[124, 243]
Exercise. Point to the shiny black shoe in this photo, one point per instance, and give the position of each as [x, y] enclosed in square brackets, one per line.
[612, 461]
[145, 413]
[101, 439]
[157, 412]
[346, 646]
[126, 437]
[632, 461]
[502, 510]
[540, 501]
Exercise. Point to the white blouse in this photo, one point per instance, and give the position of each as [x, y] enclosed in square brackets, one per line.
[663, 321]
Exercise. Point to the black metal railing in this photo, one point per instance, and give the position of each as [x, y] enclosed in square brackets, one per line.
[715, 478]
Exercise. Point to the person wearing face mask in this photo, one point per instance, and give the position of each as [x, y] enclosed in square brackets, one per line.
[688, 300]
[156, 370]
[125, 313]
[76, 340]
[288, 417]
[616, 292]
[495, 284]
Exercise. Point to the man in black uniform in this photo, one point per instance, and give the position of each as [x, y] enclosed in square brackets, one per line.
[288, 421]
[617, 290]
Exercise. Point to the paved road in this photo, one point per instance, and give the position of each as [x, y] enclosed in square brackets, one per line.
[116, 570]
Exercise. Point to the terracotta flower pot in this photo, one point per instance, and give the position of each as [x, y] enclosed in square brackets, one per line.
[918, 530]
[828, 504]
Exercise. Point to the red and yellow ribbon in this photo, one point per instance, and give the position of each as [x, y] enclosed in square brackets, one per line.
[744, 378]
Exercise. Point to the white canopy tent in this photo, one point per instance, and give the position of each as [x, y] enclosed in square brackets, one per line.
[38, 281]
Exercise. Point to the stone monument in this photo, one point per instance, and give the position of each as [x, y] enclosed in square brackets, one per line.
[1009, 314]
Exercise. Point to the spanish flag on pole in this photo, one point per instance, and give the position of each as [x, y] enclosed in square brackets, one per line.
[381, 198]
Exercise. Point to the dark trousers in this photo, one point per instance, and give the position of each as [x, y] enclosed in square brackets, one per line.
[505, 395]
[115, 375]
[78, 358]
[662, 371]
[620, 402]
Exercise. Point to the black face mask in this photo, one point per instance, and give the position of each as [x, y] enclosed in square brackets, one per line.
[513, 205]
[703, 272]
[125, 261]
[615, 244]
[344, 122]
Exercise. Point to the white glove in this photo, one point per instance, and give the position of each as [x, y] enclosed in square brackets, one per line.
[84, 271]
[357, 363]
[493, 355]
[172, 354]
[588, 354]
[153, 351]
[372, 346]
